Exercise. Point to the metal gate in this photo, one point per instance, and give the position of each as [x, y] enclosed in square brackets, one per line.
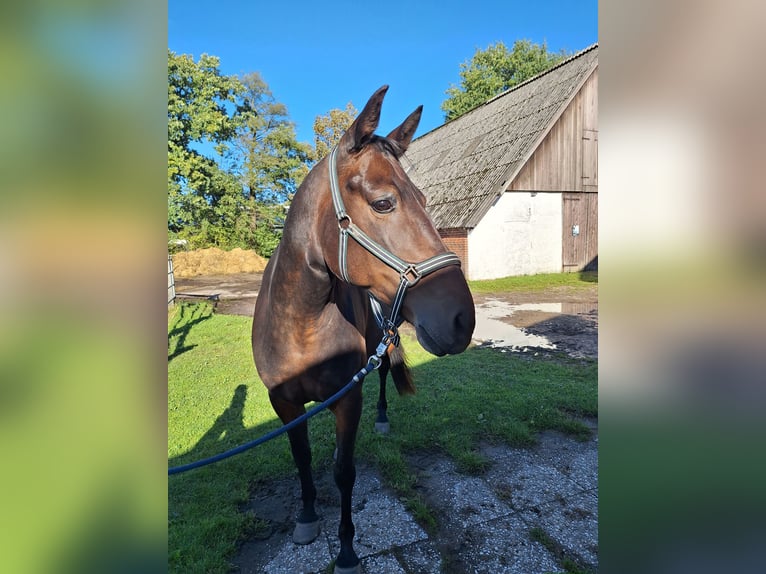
[171, 282]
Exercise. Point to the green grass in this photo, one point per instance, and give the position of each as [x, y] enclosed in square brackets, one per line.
[570, 566]
[216, 401]
[581, 280]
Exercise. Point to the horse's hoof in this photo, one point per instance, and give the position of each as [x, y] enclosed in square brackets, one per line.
[349, 570]
[305, 532]
[383, 428]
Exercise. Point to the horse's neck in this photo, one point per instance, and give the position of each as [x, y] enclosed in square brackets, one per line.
[301, 282]
[298, 289]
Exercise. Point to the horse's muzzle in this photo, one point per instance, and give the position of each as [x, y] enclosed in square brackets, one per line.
[441, 309]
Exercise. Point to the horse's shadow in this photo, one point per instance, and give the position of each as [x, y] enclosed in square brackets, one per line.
[227, 431]
[229, 423]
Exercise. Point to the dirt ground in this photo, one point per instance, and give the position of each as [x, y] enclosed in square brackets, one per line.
[573, 329]
[567, 318]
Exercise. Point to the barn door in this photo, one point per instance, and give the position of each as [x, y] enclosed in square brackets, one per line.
[580, 232]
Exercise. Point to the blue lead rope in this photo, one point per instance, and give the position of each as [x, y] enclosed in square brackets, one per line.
[372, 364]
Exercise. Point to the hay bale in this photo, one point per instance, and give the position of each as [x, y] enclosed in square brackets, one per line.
[215, 261]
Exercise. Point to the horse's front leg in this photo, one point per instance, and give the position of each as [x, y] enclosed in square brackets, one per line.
[347, 414]
[307, 525]
[381, 422]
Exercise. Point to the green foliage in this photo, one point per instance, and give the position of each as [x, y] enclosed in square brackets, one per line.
[269, 219]
[197, 94]
[205, 201]
[269, 161]
[236, 195]
[495, 70]
[328, 129]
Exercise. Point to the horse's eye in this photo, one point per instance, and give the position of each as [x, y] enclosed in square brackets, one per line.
[383, 205]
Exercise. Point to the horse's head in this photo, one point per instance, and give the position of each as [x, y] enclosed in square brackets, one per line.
[377, 198]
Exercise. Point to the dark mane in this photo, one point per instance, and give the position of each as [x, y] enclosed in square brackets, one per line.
[385, 144]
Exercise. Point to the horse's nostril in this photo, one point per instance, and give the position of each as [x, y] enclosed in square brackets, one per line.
[463, 323]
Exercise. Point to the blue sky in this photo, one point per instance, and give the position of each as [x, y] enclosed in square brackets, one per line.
[317, 56]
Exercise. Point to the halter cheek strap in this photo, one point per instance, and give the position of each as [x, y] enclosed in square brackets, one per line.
[409, 273]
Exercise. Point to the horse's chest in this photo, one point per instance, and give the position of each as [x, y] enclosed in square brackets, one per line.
[326, 351]
[323, 348]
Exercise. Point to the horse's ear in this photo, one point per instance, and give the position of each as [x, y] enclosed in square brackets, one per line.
[360, 132]
[403, 134]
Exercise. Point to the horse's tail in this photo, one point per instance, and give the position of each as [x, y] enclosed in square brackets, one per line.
[400, 372]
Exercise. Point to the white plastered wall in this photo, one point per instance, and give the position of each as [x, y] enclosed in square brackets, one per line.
[519, 235]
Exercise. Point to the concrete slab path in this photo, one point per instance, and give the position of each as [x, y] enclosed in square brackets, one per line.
[530, 512]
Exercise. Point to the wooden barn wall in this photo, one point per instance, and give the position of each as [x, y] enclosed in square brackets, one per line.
[566, 160]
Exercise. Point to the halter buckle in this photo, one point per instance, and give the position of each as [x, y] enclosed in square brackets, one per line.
[412, 271]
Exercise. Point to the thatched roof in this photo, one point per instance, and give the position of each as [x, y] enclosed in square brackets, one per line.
[464, 165]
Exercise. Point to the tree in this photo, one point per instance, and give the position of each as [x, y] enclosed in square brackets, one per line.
[494, 70]
[329, 128]
[268, 160]
[205, 202]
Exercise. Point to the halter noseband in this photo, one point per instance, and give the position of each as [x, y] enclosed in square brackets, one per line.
[409, 273]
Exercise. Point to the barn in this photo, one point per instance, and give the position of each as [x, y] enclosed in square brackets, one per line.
[512, 185]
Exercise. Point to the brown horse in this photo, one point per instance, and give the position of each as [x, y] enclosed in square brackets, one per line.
[313, 327]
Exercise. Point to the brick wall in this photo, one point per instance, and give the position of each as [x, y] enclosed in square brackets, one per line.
[456, 241]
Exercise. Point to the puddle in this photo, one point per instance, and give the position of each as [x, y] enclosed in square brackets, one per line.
[492, 330]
